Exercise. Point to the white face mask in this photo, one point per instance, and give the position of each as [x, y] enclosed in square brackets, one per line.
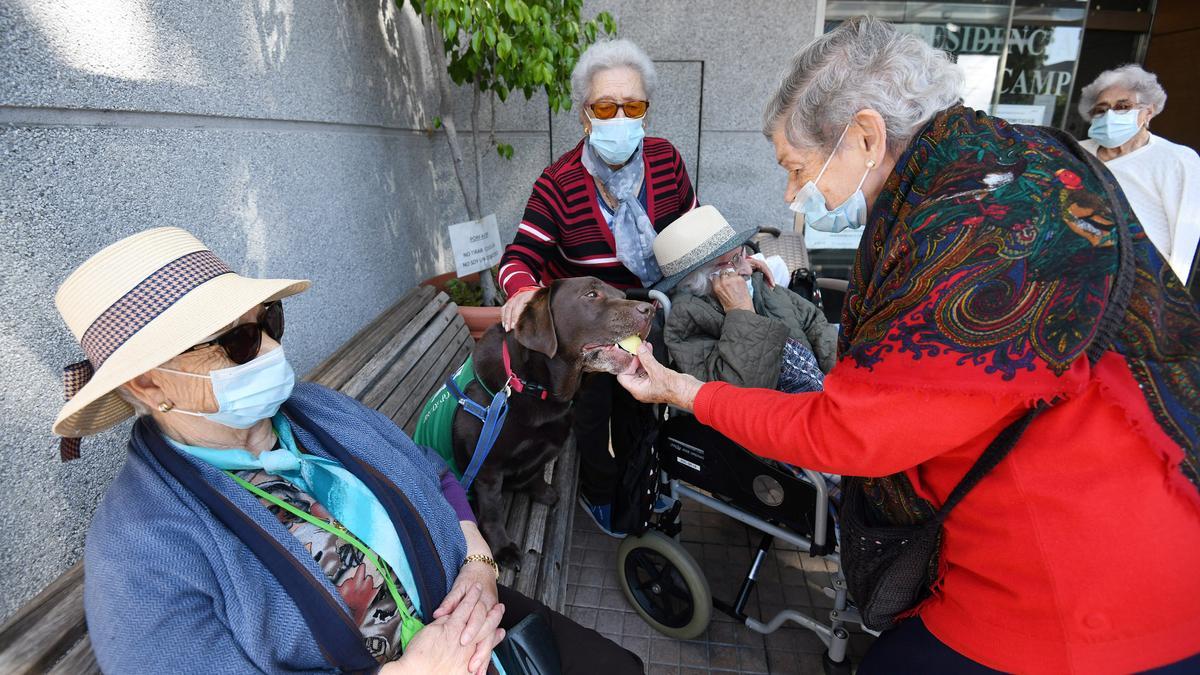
[810, 201]
[247, 393]
[1115, 127]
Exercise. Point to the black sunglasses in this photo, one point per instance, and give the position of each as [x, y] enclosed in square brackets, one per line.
[242, 342]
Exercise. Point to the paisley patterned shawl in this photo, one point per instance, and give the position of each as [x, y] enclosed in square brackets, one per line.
[987, 261]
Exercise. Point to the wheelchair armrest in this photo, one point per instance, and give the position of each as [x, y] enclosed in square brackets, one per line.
[650, 295]
[833, 293]
[833, 284]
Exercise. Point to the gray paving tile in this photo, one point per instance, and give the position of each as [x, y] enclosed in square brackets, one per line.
[752, 660]
[609, 623]
[636, 626]
[723, 657]
[586, 596]
[664, 650]
[584, 616]
[693, 653]
[790, 663]
[639, 646]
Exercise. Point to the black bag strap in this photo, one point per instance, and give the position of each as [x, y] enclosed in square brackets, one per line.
[1110, 323]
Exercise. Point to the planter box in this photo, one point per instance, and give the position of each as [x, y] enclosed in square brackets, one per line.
[478, 319]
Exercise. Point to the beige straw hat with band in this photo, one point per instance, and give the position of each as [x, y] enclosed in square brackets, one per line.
[136, 305]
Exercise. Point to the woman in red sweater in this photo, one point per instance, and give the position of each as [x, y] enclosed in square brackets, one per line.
[990, 254]
[594, 212]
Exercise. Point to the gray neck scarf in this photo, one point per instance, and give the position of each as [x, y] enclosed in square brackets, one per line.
[631, 226]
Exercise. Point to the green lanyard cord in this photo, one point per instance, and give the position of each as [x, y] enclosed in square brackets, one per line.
[409, 625]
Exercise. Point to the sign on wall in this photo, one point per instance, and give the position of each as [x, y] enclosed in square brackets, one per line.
[476, 245]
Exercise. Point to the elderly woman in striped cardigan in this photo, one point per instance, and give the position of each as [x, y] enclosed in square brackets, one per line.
[595, 211]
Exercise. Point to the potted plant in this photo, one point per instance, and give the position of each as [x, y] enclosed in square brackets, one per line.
[467, 294]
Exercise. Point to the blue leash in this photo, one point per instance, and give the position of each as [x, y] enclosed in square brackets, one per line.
[493, 422]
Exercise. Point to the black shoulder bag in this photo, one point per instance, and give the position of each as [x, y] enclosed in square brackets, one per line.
[889, 569]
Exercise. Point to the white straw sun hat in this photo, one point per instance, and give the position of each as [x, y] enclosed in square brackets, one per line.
[136, 305]
[692, 240]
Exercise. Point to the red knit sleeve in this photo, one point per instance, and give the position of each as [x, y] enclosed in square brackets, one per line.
[524, 260]
[851, 428]
[688, 199]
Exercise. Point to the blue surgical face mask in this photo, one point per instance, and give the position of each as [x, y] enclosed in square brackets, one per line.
[616, 139]
[810, 202]
[1115, 127]
[247, 393]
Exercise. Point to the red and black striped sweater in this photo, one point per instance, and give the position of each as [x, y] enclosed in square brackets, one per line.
[563, 232]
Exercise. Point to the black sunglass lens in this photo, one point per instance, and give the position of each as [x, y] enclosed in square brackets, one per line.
[272, 320]
[241, 344]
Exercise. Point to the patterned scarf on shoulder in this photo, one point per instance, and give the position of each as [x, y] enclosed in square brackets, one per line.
[988, 258]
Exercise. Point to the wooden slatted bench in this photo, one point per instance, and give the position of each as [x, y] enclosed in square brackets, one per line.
[394, 365]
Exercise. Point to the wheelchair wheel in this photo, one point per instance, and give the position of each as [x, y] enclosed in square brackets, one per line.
[664, 584]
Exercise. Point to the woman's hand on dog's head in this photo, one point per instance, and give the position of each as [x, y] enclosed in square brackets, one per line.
[655, 383]
[513, 308]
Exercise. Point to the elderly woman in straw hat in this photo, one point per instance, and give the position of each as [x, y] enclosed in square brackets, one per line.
[729, 321]
[259, 524]
[1007, 321]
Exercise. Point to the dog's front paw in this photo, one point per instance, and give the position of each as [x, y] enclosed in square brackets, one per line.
[543, 493]
[508, 556]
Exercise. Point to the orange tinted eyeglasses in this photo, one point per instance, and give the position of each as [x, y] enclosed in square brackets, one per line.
[606, 110]
[1120, 106]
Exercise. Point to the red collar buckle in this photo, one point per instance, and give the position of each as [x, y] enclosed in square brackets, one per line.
[515, 383]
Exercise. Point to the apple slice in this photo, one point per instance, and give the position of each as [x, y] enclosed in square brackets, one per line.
[631, 344]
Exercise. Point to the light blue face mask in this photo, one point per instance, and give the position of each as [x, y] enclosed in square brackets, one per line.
[1115, 127]
[810, 202]
[247, 393]
[616, 139]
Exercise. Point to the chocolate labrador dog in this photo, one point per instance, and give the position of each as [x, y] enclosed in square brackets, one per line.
[566, 329]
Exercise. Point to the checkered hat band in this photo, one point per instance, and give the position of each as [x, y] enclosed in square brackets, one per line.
[151, 297]
[699, 253]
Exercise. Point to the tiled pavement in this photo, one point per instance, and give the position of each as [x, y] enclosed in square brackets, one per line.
[724, 548]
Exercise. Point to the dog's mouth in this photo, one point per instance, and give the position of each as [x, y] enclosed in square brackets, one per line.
[617, 355]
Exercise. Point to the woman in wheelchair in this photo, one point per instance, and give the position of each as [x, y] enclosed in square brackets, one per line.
[729, 321]
[1003, 296]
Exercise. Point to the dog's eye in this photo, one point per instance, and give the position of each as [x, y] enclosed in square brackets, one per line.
[591, 294]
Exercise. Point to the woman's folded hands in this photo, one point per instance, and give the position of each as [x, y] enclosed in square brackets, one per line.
[459, 641]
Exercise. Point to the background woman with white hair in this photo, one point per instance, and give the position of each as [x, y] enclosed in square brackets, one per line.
[1003, 313]
[1161, 179]
[594, 212]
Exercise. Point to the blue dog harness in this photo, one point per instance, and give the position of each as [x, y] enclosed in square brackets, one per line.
[492, 416]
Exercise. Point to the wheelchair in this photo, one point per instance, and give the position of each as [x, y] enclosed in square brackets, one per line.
[687, 460]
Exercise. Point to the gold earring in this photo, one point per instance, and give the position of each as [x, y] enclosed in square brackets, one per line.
[165, 406]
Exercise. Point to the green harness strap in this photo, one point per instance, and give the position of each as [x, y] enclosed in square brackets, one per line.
[435, 425]
[409, 624]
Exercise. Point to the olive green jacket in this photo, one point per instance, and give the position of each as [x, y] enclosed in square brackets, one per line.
[745, 348]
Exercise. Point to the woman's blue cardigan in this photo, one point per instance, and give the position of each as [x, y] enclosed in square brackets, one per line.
[170, 586]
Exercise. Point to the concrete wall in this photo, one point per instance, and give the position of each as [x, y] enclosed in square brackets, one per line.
[293, 136]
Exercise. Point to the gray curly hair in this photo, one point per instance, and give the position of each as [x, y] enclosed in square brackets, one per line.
[611, 54]
[1142, 83]
[863, 63]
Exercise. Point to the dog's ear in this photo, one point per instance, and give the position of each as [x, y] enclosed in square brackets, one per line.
[535, 327]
